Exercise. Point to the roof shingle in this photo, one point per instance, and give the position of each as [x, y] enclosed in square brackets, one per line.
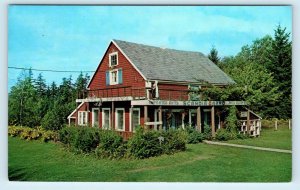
[157, 63]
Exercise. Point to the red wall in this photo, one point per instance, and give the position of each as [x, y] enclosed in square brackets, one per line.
[173, 91]
[131, 77]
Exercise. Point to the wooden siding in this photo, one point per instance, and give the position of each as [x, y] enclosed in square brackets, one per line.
[173, 92]
[131, 77]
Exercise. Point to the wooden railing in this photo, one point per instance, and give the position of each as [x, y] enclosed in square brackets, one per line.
[140, 92]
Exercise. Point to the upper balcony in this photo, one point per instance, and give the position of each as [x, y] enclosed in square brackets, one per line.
[138, 93]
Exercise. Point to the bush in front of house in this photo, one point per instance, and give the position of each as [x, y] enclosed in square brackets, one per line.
[223, 135]
[193, 136]
[83, 139]
[28, 133]
[111, 145]
[145, 144]
[174, 141]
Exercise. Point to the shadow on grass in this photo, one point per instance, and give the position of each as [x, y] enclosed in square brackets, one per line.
[16, 174]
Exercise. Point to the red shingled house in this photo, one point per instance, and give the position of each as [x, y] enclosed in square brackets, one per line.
[137, 84]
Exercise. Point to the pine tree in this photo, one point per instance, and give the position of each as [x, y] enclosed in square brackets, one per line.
[281, 66]
[213, 55]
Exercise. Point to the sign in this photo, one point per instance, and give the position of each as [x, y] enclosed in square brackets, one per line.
[243, 114]
[186, 103]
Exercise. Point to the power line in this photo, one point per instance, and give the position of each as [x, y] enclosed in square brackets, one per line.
[50, 70]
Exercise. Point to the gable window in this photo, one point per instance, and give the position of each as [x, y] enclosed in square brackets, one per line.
[120, 119]
[135, 118]
[105, 118]
[82, 117]
[114, 77]
[113, 59]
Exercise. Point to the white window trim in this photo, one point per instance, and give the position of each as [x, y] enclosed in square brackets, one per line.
[116, 119]
[103, 119]
[110, 77]
[112, 54]
[130, 117]
[93, 116]
[86, 118]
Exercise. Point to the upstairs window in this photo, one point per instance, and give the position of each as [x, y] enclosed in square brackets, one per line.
[113, 59]
[114, 77]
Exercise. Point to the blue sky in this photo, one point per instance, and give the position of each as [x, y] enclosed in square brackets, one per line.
[75, 37]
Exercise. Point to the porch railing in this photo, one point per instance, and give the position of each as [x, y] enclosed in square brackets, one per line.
[135, 92]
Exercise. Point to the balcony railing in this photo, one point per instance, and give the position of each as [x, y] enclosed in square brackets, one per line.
[135, 92]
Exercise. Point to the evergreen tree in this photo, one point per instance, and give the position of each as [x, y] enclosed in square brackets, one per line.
[40, 85]
[213, 55]
[281, 66]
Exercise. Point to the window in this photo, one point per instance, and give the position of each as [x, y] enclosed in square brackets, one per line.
[120, 117]
[135, 118]
[105, 118]
[95, 117]
[114, 77]
[113, 59]
[82, 117]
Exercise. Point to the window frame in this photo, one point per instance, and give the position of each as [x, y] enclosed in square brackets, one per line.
[116, 119]
[103, 118]
[93, 117]
[111, 82]
[110, 59]
[130, 117]
[80, 119]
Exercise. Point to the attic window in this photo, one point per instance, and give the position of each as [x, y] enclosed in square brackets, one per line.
[113, 59]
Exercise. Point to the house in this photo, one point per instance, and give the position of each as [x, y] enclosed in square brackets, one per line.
[136, 84]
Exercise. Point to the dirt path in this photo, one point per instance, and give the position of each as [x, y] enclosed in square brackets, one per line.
[249, 147]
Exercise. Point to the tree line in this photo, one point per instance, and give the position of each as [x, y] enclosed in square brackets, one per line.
[262, 72]
[31, 102]
[263, 75]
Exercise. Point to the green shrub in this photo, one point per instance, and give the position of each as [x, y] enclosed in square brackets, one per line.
[111, 145]
[207, 132]
[145, 144]
[82, 139]
[30, 134]
[87, 139]
[193, 136]
[174, 141]
[68, 135]
[15, 131]
[223, 135]
[49, 136]
[242, 136]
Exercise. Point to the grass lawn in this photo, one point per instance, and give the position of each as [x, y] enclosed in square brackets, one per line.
[281, 139]
[37, 161]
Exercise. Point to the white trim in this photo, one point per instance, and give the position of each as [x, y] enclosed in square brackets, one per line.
[109, 123]
[110, 77]
[129, 59]
[116, 119]
[81, 122]
[75, 110]
[112, 54]
[93, 116]
[155, 119]
[130, 117]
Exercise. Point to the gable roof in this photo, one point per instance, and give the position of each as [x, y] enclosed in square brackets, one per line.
[157, 63]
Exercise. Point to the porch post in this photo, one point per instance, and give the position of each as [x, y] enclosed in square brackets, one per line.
[248, 122]
[160, 117]
[199, 119]
[131, 119]
[112, 115]
[145, 114]
[213, 130]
